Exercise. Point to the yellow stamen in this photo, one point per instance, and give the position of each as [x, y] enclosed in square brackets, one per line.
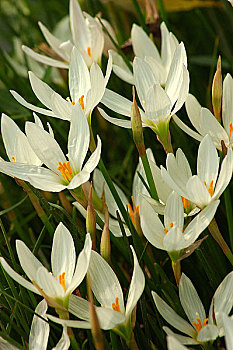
[116, 306]
[13, 159]
[131, 213]
[65, 170]
[185, 202]
[211, 188]
[61, 279]
[199, 325]
[73, 103]
[171, 224]
[81, 102]
[230, 129]
[89, 51]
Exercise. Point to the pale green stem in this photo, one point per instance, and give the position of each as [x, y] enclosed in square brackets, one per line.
[149, 176]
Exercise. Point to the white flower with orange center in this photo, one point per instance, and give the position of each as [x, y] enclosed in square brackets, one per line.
[202, 328]
[206, 123]
[172, 236]
[86, 88]
[61, 172]
[209, 183]
[112, 313]
[66, 275]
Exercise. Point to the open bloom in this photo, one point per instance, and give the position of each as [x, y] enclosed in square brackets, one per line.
[86, 87]
[56, 286]
[61, 173]
[171, 236]
[202, 329]
[206, 123]
[112, 313]
[158, 104]
[87, 35]
[207, 185]
[144, 48]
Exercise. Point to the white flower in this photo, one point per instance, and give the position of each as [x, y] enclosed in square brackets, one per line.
[60, 173]
[228, 330]
[56, 286]
[112, 313]
[39, 333]
[201, 329]
[144, 48]
[172, 236]
[5, 345]
[86, 87]
[207, 185]
[87, 35]
[158, 104]
[174, 344]
[206, 123]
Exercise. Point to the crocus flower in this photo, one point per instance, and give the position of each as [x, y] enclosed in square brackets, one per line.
[144, 48]
[206, 123]
[56, 286]
[202, 329]
[112, 313]
[171, 236]
[207, 185]
[86, 87]
[61, 173]
[87, 35]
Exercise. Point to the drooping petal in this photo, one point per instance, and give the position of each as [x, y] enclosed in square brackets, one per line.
[39, 333]
[137, 286]
[45, 59]
[171, 316]
[104, 282]
[70, 323]
[187, 129]
[19, 279]
[42, 90]
[119, 122]
[116, 103]
[82, 265]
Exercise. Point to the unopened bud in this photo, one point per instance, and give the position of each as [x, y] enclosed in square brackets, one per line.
[135, 217]
[91, 219]
[105, 245]
[217, 91]
[136, 124]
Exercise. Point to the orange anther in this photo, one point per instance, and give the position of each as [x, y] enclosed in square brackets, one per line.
[89, 51]
[185, 202]
[65, 170]
[131, 213]
[165, 230]
[81, 102]
[211, 188]
[171, 224]
[116, 306]
[199, 325]
[13, 158]
[61, 279]
[73, 103]
[230, 129]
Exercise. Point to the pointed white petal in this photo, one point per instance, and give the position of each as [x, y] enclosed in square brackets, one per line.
[78, 139]
[174, 344]
[82, 265]
[119, 122]
[79, 307]
[157, 68]
[137, 286]
[121, 69]
[48, 283]
[162, 188]
[46, 180]
[93, 161]
[167, 49]
[180, 338]
[96, 92]
[19, 279]
[174, 212]
[171, 316]
[197, 192]
[44, 59]
[104, 282]
[108, 318]
[62, 109]
[97, 38]
[63, 254]
[42, 90]
[79, 28]
[158, 104]
[227, 101]
[70, 323]
[183, 164]
[173, 240]
[9, 130]
[186, 129]
[79, 179]
[117, 103]
[208, 333]
[52, 40]
[184, 89]
[39, 333]
[225, 174]
[193, 109]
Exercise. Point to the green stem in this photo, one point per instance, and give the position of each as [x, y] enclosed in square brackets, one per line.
[229, 211]
[140, 16]
[216, 234]
[149, 176]
[64, 314]
[176, 266]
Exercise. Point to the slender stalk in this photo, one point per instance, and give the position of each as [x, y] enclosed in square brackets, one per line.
[176, 266]
[140, 16]
[229, 212]
[216, 234]
[149, 176]
[64, 314]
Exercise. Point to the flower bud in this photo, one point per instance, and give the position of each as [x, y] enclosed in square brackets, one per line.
[105, 246]
[217, 91]
[136, 124]
[91, 219]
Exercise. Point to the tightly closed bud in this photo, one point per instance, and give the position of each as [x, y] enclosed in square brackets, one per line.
[91, 219]
[136, 123]
[135, 217]
[105, 245]
[217, 91]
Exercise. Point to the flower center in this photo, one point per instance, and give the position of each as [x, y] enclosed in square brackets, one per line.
[116, 306]
[211, 188]
[185, 203]
[230, 129]
[198, 325]
[171, 225]
[65, 170]
[61, 279]
[89, 51]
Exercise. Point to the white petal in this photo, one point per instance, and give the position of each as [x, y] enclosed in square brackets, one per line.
[45, 146]
[63, 254]
[48, 283]
[193, 109]
[42, 90]
[227, 101]
[64, 342]
[97, 38]
[52, 40]
[162, 188]
[181, 338]
[19, 279]
[78, 139]
[184, 89]
[117, 103]
[79, 28]
[158, 104]
[171, 316]
[104, 282]
[183, 164]
[121, 69]
[79, 179]
[174, 211]
[79, 307]
[137, 286]
[197, 192]
[79, 77]
[173, 240]
[208, 333]
[46, 180]
[157, 68]
[96, 92]
[225, 174]
[44, 59]
[70, 323]
[186, 129]
[228, 327]
[173, 344]
[82, 264]
[62, 109]
[190, 300]
[39, 333]
[93, 161]
[119, 122]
